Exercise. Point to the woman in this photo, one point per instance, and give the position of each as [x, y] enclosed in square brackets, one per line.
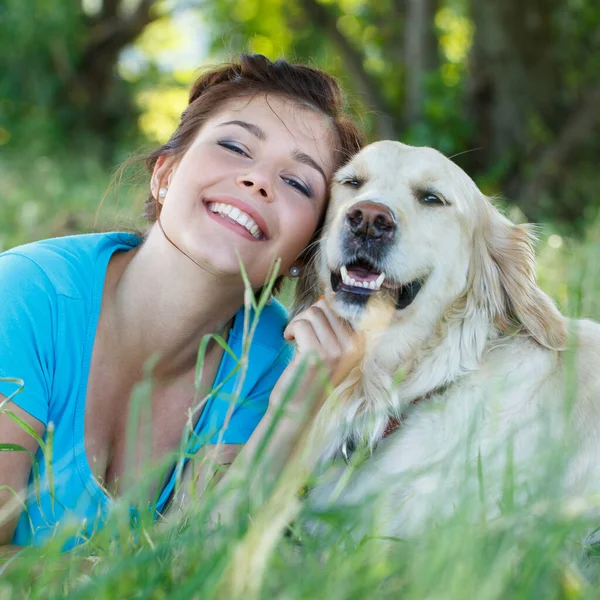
[243, 179]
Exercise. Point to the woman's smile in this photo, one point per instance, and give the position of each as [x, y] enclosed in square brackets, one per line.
[238, 216]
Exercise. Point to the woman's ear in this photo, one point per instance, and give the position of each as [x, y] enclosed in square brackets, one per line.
[161, 175]
[503, 280]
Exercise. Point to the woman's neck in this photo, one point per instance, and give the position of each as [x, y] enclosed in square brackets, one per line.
[160, 304]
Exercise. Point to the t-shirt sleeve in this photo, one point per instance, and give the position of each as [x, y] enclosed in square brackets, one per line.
[251, 409]
[27, 333]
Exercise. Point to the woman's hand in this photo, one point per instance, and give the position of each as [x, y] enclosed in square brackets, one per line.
[329, 344]
[320, 332]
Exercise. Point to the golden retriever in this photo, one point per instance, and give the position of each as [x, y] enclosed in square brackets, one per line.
[467, 362]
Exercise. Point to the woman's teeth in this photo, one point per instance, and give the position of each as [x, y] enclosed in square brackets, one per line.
[235, 214]
[375, 284]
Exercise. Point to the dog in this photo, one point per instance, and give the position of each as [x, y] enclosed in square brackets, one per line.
[468, 363]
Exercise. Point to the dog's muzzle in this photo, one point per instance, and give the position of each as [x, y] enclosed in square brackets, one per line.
[369, 234]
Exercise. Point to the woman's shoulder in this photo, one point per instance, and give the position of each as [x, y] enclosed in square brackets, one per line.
[67, 263]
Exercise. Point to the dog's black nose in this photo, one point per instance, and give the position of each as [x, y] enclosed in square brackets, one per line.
[371, 220]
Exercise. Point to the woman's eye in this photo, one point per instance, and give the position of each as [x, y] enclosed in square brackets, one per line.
[298, 185]
[233, 147]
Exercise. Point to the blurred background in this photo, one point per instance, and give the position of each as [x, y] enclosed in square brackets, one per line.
[510, 88]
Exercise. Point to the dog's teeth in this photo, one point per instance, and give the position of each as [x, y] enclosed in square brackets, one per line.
[369, 285]
[347, 280]
[344, 273]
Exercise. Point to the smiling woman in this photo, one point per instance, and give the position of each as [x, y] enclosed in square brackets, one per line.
[243, 178]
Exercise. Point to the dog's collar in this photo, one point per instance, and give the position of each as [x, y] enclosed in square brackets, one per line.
[348, 446]
[394, 423]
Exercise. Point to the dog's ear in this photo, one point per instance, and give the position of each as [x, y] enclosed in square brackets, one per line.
[503, 280]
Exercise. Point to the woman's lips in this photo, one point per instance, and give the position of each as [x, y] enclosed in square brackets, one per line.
[226, 221]
[226, 204]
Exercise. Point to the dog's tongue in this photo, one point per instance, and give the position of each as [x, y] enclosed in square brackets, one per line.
[362, 274]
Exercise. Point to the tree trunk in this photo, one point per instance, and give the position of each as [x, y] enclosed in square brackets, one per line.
[513, 73]
[366, 85]
[91, 83]
[552, 162]
[526, 124]
[420, 54]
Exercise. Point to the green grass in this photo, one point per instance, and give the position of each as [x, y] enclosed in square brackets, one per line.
[528, 552]
[531, 551]
[46, 196]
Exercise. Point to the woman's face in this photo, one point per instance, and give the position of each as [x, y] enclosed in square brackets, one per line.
[252, 186]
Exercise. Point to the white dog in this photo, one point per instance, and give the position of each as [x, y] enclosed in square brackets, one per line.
[467, 361]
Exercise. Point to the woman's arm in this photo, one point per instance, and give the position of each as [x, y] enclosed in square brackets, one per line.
[15, 467]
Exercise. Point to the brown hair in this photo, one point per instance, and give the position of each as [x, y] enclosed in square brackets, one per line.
[255, 74]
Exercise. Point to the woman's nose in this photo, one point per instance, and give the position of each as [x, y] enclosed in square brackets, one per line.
[258, 183]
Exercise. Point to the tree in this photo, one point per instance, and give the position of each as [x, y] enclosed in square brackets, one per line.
[420, 54]
[93, 74]
[59, 69]
[535, 97]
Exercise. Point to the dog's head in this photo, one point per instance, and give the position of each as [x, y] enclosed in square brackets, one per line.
[409, 235]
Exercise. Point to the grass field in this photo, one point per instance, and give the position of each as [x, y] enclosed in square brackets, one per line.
[532, 550]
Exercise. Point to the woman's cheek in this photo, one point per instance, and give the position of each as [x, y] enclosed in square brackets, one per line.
[301, 228]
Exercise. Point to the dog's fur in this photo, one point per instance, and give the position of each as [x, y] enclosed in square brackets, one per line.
[476, 367]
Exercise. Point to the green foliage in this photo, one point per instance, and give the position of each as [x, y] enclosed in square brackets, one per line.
[29, 63]
[62, 194]
[53, 91]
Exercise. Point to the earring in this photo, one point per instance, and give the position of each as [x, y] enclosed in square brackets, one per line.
[162, 193]
[294, 271]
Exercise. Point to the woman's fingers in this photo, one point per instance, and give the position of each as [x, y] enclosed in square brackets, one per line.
[319, 332]
[342, 329]
[318, 329]
[303, 333]
[315, 319]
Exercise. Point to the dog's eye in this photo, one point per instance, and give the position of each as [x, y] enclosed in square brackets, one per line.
[352, 182]
[431, 199]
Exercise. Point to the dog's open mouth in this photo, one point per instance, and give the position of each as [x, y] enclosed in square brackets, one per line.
[360, 279]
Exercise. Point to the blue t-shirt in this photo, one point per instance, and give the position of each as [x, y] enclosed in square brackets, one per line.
[50, 297]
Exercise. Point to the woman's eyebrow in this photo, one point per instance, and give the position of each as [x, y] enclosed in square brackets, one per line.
[253, 129]
[308, 160]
